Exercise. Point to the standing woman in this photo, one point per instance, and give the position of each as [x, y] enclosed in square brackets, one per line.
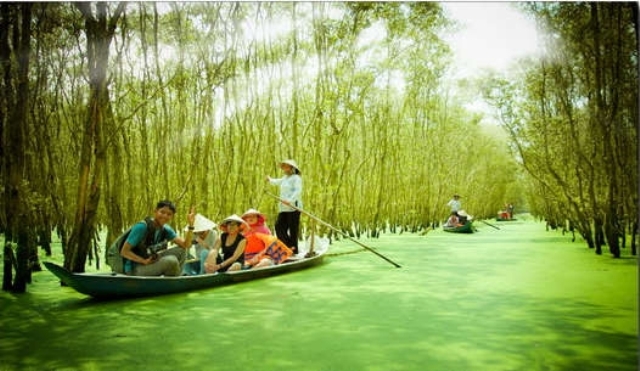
[288, 222]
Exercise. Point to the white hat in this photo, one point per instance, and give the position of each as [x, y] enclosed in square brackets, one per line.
[462, 213]
[291, 163]
[233, 218]
[251, 212]
[201, 224]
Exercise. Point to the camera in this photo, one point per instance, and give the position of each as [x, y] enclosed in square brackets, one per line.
[156, 248]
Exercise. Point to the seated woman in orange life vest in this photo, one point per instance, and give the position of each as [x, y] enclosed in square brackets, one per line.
[262, 248]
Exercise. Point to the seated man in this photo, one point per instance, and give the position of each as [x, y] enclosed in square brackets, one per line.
[144, 251]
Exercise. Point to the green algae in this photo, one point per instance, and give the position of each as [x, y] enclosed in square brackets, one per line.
[518, 298]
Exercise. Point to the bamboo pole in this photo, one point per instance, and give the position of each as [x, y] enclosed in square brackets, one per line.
[337, 230]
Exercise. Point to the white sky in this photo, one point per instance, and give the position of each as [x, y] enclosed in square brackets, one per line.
[492, 35]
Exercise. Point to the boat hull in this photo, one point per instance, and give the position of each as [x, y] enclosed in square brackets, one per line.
[466, 228]
[114, 286]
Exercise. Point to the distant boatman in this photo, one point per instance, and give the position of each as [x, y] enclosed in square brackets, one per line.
[454, 204]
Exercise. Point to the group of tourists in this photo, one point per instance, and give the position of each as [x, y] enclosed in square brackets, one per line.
[244, 241]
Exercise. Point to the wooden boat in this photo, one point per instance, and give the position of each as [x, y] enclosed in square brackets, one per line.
[465, 228]
[504, 216]
[113, 285]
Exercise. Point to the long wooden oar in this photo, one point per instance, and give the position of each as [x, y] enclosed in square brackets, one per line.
[490, 225]
[336, 229]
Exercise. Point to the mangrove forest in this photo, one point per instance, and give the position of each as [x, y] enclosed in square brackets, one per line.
[108, 107]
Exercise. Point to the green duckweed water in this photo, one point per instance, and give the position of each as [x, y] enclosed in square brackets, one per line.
[518, 298]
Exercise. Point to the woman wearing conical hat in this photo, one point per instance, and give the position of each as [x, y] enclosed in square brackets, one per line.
[205, 237]
[288, 222]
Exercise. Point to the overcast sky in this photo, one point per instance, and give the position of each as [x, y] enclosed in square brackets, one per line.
[492, 34]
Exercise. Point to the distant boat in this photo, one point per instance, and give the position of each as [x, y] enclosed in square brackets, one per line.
[465, 228]
[113, 286]
[504, 216]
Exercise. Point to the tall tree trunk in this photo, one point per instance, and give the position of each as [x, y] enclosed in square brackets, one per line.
[6, 90]
[6, 100]
[99, 32]
[17, 214]
[634, 234]
[605, 116]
